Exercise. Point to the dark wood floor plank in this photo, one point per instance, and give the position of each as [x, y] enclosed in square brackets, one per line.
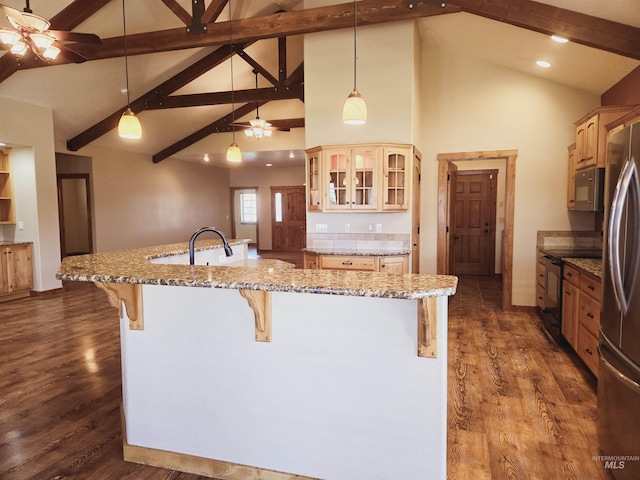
[520, 406]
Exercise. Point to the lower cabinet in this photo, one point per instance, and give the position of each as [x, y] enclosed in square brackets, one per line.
[581, 314]
[16, 271]
[362, 263]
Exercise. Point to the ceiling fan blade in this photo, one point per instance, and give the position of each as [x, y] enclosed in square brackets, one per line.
[65, 51]
[15, 16]
[65, 36]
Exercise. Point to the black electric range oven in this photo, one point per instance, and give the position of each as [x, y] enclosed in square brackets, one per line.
[553, 260]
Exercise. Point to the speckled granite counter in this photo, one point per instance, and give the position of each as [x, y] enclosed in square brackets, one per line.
[262, 356]
[7, 243]
[133, 267]
[589, 265]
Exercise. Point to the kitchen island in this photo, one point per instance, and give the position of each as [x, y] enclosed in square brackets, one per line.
[256, 370]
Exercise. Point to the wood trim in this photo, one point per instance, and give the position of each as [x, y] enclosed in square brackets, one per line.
[260, 303]
[131, 295]
[427, 327]
[510, 190]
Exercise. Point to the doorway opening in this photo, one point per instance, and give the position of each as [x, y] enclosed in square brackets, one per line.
[447, 173]
[74, 214]
[244, 214]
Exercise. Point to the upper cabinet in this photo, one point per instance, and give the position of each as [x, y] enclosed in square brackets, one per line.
[368, 177]
[7, 202]
[591, 136]
[571, 185]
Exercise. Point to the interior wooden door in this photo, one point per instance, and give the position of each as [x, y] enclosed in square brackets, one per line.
[475, 207]
[288, 219]
[74, 214]
[452, 175]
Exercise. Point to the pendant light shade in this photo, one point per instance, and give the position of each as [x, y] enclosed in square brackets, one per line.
[354, 111]
[129, 126]
[234, 155]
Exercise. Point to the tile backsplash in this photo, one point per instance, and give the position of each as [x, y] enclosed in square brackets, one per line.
[568, 239]
[346, 242]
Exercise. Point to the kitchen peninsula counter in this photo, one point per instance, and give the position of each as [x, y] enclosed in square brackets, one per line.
[253, 369]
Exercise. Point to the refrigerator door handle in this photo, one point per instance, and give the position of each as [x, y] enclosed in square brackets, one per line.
[621, 376]
[627, 175]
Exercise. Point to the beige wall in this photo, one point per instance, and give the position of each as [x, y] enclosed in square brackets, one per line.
[264, 178]
[139, 203]
[470, 105]
[29, 129]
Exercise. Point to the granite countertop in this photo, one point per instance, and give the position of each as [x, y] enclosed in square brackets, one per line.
[7, 243]
[589, 265]
[358, 252]
[133, 266]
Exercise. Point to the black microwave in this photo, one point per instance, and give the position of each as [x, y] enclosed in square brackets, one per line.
[589, 192]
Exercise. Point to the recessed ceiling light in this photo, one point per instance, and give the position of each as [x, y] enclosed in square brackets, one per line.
[291, 155]
[558, 39]
[2, 144]
[269, 165]
[543, 63]
[206, 157]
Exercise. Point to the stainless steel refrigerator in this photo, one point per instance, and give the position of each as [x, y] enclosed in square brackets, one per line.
[619, 346]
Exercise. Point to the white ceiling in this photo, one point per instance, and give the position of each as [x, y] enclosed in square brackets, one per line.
[82, 95]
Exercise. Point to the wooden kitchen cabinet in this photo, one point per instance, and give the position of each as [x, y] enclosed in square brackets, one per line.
[362, 263]
[581, 314]
[571, 175]
[314, 195]
[591, 136]
[570, 305]
[395, 180]
[540, 286]
[354, 178]
[394, 264]
[7, 199]
[16, 272]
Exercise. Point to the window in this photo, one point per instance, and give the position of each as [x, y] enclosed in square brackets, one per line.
[278, 206]
[248, 208]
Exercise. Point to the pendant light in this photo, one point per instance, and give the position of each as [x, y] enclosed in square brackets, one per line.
[234, 155]
[129, 125]
[354, 111]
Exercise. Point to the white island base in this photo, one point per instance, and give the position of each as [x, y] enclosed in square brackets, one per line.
[337, 392]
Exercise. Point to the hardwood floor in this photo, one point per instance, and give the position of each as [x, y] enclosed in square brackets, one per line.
[520, 407]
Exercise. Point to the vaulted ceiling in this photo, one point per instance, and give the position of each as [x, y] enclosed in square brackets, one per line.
[179, 54]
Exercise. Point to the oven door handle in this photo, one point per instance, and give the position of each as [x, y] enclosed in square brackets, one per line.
[552, 260]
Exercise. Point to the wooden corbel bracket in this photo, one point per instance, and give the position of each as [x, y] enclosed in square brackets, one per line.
[427, 321]
[260, 303]
[131, 295]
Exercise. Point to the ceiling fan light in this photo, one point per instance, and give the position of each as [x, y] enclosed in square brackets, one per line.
[248, 132]
[9, 37]
[42, 41]
[19, 48]
[36, 21]
[267, 133]
[354, 111]
[234, 155]
[129, 126]
[51, 53]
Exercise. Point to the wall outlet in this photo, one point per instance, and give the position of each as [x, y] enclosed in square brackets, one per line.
[347, 228]
[321, 228]
[20, 225]
[371, 228]
[378, 228]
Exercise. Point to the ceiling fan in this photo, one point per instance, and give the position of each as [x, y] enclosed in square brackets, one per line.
[31, 32]
[258, 128]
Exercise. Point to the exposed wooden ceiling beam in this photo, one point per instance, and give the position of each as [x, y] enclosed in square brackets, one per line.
[179, 12]
[223, 98]
[580, 28]
[214, 10]
[164, 89]
[221, 125]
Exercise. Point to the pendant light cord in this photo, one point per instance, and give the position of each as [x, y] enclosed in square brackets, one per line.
[355, 44]
[233, 105]
[126, 61]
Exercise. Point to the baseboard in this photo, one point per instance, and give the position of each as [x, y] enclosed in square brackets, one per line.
[48, 293]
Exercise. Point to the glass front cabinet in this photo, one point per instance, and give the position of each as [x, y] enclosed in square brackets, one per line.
[371, 177]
